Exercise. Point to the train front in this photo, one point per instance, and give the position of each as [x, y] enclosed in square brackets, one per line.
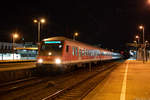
[50, 56]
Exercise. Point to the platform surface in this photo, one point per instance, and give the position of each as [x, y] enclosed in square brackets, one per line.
[129, 81]
[17, 66]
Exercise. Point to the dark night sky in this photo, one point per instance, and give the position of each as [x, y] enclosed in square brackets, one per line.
[110, 23]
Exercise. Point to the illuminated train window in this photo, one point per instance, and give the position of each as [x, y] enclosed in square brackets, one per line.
[79, 52]
[85, 52]
[73, 51]
[76, 51]
[82, 52]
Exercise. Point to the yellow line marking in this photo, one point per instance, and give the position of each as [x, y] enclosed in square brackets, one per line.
[123, 91]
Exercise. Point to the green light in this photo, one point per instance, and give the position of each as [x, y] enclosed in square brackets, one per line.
[51, 42]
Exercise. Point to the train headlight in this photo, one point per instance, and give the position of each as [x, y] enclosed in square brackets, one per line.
[57, 61]
[40, 61]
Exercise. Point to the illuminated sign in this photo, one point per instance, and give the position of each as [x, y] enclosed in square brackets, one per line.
[51, 42]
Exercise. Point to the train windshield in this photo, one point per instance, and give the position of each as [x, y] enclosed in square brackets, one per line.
[51, 49]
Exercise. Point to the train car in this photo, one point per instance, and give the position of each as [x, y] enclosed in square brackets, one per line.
[60, 53]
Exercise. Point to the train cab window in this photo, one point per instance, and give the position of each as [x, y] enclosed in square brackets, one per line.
[67, 48]
[54, 49]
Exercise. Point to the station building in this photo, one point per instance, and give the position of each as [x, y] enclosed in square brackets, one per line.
[26, 51]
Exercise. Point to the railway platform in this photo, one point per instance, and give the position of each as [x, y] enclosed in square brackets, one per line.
[16, 66]
[11, 71]
[129, 81]
[16, 61]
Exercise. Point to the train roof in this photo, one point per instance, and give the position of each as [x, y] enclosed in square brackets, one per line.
[57, 38]
[64, 38]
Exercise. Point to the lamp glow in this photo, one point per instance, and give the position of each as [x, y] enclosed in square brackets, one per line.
[42, 20]
[141, 27]
[76, 34]
[49, 53]
[148, 1]
[15, 35]
[137, 36]
[35, 21]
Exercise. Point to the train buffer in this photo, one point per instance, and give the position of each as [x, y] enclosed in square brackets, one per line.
[129, 81]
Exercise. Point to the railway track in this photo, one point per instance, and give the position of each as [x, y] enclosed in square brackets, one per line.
[20, 84]
[79, 90]
[13, 87]
[51, 87]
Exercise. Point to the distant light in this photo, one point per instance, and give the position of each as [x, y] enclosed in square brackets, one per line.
[137, 36]
[42, 20]
[35, 21]
[51, 42]
[76, 34]
[24, 50]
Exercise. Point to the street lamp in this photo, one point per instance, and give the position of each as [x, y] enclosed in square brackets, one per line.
[138, 42]
[39, 21]
[75, 35]
[138, 38]
[148, 1]
[141, 27]
[14, 36]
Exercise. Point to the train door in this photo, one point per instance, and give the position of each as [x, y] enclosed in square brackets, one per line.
[67, 52]
[74, 53]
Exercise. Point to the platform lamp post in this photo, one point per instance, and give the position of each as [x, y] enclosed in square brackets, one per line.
[14, 37]
[146, 43]
[141, 27]
[39, 21]
[138, 42]
[75, 35]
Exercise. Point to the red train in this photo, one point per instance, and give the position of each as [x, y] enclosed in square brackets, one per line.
[63, 53]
